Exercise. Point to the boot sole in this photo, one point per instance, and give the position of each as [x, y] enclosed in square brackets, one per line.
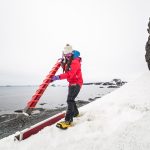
[60, 127]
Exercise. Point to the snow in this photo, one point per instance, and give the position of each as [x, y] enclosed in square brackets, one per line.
[118, 121]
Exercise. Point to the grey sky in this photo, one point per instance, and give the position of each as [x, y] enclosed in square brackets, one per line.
[110, 34]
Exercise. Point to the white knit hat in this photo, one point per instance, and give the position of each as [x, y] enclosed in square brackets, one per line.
[67, 49]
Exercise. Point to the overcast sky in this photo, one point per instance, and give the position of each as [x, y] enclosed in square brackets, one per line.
[110, 34]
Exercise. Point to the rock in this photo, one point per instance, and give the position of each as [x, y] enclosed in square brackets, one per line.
[112, 86]
[92, 99]
[108, 83]
[81, 102]
[98, 83]
[114, 82]
[88, 83]
[147, 47]
[42, 104]
[118, 82]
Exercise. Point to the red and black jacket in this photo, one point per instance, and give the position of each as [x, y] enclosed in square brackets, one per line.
[74, 74]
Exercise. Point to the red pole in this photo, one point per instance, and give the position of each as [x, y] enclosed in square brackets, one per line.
[36, 97]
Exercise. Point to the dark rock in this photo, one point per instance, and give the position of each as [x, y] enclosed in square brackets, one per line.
[93, 83]
[117, 82]
[108, 83]
[98, 83]
[61, 104]
[92, 99]
[81, 103]
[42, 104]
[88, 83]
[147, 47]
[112, 86]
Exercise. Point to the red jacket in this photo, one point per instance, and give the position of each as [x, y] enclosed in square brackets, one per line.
[74, 75]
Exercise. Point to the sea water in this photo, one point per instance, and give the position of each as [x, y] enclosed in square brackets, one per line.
[16, 97]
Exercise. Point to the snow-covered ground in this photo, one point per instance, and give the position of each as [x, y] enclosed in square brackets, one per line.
[118, 121]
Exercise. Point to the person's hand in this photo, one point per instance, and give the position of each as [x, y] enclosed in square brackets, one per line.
[55, 78]
[61, 59]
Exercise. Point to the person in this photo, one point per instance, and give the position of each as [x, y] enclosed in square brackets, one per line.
[72, 72]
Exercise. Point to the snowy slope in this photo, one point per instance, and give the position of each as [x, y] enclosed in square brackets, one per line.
[118, 121]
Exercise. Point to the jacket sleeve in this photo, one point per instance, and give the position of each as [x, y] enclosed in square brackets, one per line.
[68, 75]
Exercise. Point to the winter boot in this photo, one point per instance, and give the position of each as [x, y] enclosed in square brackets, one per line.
[64, 124]
[76, 115]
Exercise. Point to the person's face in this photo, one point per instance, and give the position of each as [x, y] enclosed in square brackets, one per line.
[67, 56]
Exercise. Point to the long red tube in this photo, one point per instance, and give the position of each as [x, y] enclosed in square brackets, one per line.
[35, 98]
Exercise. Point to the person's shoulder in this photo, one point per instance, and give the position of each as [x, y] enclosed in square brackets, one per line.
[76, 61]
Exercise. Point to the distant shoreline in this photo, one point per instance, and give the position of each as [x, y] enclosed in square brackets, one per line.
[85, 83]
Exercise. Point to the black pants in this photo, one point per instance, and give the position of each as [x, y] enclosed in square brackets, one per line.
[149, 65]
[72, 109]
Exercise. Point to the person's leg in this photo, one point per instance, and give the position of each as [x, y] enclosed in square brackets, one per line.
[149, 65]
[76, 112]
[72, 108]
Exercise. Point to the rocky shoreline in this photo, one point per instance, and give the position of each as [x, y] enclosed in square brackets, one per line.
[11, 123]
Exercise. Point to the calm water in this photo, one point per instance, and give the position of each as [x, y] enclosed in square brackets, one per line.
[13, 98]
